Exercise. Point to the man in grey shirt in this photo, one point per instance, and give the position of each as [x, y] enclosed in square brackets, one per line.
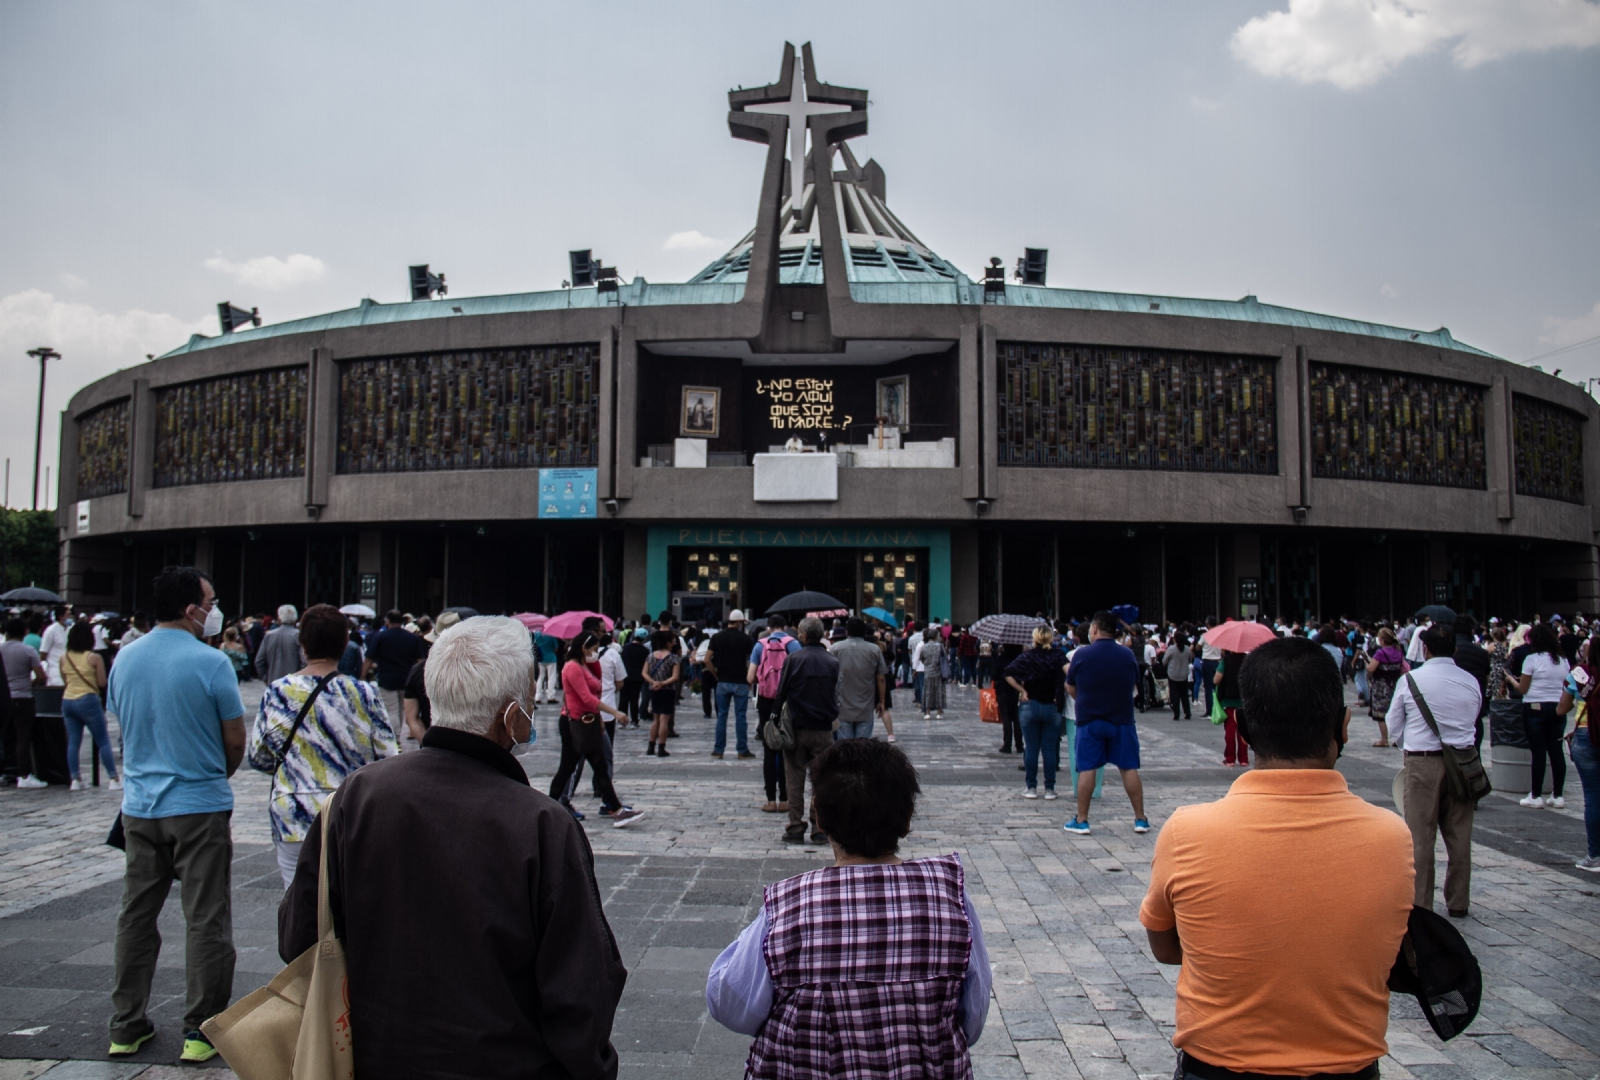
[861, 681]
[279, 654]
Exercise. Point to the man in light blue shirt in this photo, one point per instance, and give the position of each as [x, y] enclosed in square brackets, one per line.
[177, 702]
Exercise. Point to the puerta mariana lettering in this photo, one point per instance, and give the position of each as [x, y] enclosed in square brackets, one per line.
[800, 404]
[870, 537]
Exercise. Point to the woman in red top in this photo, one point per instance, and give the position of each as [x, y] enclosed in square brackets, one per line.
[580, 741]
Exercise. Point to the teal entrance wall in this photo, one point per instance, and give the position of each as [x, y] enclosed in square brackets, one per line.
[936, 540]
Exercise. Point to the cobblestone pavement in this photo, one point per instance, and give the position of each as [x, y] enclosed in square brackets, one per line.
[1076, 991]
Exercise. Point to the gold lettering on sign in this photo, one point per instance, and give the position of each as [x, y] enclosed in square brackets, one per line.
[800, 404]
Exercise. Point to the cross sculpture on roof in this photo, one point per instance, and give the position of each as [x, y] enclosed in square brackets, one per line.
[798, 96]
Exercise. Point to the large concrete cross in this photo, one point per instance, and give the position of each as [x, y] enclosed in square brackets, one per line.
[797, 108]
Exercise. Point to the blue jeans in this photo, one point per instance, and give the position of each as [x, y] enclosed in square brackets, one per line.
[1208, 671]
[916, 682]
[739, 694]
[846, 730]
[1041, 729]
[1587, 762]
[85, 712]
[969, 669]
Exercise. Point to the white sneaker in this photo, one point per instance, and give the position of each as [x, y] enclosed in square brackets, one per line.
[1555, 802]
[1532, 800]
[114, 784]
[31, 782]
[1029, 793]
[76, 785]
[1049, 796]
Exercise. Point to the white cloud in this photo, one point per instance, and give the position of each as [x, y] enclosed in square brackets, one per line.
[1355, 43]
[1389, 291]
[92, 344]
[1559, 331]
[691, 240]
[271, 272]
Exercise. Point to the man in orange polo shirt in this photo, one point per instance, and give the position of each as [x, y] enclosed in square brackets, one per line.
[1286, 900]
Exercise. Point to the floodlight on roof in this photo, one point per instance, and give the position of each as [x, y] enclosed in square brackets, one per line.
[232, 318]
[425, 284]
[583, 268]
[1031, 267]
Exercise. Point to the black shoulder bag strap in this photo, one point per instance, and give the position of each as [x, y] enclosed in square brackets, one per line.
[305, 710]
[1422, 707]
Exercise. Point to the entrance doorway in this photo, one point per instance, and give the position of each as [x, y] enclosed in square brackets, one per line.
[772, 573]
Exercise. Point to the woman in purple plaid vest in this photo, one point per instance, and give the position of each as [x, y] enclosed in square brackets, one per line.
[872, 967]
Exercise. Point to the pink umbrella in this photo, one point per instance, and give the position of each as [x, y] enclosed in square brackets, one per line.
[1239, 637]
[531, 620]
[570, 623]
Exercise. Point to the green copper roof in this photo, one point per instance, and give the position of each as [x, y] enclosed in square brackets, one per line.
[640, 293]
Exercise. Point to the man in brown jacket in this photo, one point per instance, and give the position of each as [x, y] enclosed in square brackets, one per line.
[466, 900]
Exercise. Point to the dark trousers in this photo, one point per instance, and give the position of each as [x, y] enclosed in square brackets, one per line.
[196, 849]
[808, 743]
[570, 757]
[1179, 692]
[633, 702]
[1544, 729]
[708, 689]
[1010, 721]
[772, 772]
[35, 745]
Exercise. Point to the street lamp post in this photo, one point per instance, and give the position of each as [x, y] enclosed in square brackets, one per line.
[44, 353]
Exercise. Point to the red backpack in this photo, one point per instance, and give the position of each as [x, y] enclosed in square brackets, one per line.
[774, 651]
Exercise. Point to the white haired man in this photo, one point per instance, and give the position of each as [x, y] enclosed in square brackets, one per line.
[466, 899]
[279, 654]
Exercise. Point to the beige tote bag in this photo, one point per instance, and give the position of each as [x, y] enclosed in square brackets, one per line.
[297, 1027]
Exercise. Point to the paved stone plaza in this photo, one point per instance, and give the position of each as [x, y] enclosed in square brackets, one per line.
[1076, 992]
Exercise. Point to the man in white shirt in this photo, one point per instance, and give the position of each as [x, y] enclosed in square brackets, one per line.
[53, 644]
[1210, 660]
[914, 643]
[1453, 697]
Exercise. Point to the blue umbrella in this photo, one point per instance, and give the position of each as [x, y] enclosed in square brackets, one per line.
[882, 616]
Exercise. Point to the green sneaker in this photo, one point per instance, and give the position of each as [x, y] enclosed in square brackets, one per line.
[196, 1048]
[124, 1049]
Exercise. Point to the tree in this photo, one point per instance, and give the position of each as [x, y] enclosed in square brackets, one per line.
[28, 548]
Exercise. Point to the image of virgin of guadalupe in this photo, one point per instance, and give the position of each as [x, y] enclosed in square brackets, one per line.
[699, 412]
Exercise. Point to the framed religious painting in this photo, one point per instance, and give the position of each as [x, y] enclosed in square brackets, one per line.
[894, 401]
[701, 416]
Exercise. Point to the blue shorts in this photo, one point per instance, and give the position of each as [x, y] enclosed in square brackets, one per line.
[1101, 742]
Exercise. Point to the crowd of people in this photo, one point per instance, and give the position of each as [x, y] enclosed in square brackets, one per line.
[528, 956]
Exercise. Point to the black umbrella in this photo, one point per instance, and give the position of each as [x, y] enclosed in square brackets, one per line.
[1436, 613]
[464, 612]
[807, 601]
[29, 594]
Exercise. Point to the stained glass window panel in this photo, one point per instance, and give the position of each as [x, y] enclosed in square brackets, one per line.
[1549, 449]
[1083, 406]
[103, 450]
[238, 427]
[1371, 424]
[480, 409]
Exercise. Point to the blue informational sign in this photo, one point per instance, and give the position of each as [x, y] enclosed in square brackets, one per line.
[567, 493]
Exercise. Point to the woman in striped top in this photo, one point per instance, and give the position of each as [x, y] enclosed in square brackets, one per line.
[345, 728]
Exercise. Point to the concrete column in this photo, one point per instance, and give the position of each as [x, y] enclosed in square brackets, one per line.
[627, 411]
[1499, 450]
[67, 475]
[988, 414]
[635, 556]
[142, 452]
[322, 426]
[204, 556]
[963, 575]
[969, 449]
[606, 463]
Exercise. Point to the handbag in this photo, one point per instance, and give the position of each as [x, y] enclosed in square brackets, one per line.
[297, 1027]
[1464, 775]
[988, 706]
[778, 733]
[1218, 713]
[587, 733]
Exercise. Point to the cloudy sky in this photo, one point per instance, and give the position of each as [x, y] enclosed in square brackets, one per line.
[1425, 163]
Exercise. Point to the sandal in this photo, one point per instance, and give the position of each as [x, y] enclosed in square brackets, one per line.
[769, 808]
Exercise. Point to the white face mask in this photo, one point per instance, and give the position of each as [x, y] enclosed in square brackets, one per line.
[213, 622]
[533, 733]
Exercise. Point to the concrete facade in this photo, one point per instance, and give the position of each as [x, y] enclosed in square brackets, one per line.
[775, 324]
